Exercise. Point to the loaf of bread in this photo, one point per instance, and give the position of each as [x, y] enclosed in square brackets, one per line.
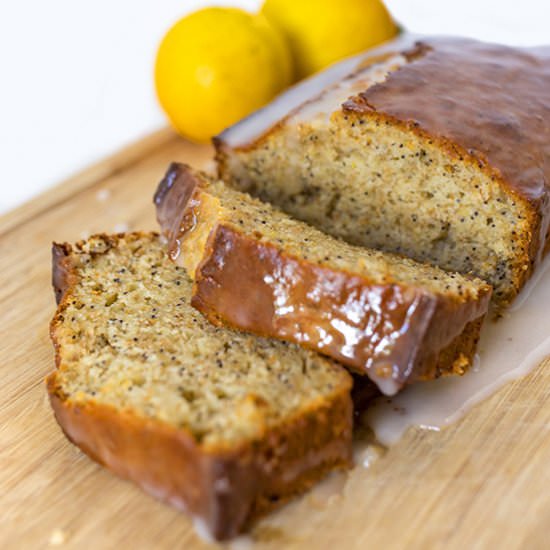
[438, 149]
[216, 422]
[260, 270]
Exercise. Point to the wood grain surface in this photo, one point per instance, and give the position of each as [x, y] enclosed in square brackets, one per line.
[482, 483]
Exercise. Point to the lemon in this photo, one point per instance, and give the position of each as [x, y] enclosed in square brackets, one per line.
[217, 65]
[320, 32]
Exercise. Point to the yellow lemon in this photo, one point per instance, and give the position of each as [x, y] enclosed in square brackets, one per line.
[322, 31]
[217, 65]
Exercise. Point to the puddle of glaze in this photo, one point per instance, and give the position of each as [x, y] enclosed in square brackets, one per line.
[508, 349]
[242, 542]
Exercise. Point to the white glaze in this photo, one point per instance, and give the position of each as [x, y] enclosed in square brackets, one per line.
[242, 542]
[332, 97]
[202, 531]
[509, 349]
[103, 195]
[303, 95]
[121, 227]
[259, 122]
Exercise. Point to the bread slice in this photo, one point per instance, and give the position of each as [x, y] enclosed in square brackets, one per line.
[216, 422]
[257, 269]
[437, 149]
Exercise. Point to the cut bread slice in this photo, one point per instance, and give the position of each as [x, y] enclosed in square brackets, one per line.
[216, 422]
[438, 150]
[257, 269]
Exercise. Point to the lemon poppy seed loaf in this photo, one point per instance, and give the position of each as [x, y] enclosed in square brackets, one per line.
[435, 148]
[258, 269]
[219, 423]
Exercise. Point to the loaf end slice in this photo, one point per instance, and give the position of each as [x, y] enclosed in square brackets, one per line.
[255, 268]
[221, 424]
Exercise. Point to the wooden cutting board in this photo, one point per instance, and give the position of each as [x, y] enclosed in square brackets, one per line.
[482, 483]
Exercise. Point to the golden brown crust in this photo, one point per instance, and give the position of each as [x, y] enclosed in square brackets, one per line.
[255, 287]
[393, 333]
[457, 357]
[62, 271]
[226, 488]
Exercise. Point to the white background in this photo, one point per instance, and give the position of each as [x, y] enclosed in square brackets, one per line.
[76, 77]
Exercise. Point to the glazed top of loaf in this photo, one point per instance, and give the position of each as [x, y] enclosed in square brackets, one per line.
[486, 101]
[493, 101]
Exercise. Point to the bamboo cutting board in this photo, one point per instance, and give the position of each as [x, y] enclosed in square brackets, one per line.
[482, 483]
